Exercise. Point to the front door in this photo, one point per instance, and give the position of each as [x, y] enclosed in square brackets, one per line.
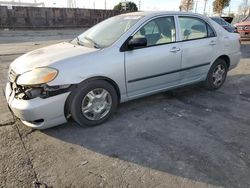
[156, 66]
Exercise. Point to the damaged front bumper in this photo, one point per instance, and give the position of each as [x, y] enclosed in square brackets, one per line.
[39, 112]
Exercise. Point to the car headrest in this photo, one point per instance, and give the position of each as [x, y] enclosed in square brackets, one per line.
[187, 32]
[199, 28]
[142, 31]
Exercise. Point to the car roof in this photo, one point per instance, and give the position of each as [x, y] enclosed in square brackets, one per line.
[215, 17]
[159, 13]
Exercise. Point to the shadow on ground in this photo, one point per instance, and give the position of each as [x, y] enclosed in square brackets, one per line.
[190, 132]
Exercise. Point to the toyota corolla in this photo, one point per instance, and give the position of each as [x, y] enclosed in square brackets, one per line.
[122, 58]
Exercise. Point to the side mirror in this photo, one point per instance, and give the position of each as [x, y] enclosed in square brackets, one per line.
[137, 43]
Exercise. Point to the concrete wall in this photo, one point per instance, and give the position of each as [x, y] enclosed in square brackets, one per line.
[36, 17]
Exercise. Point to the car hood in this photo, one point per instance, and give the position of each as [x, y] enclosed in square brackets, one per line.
[48, 56]
[243, 23]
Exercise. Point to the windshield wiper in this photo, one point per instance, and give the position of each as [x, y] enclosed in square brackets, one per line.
[93, 42]
[79, 42]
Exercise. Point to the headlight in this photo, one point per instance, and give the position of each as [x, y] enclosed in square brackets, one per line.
[37, 76]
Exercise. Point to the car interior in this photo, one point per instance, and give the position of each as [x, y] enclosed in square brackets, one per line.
[162, 30]
[158, 31]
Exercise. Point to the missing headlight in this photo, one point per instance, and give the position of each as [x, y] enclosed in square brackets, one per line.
[33, 92]
[50, 91]
[43, 91]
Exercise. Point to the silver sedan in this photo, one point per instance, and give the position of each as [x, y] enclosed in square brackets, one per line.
[122, 58]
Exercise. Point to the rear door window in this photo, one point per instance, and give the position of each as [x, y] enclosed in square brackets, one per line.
[194, 28]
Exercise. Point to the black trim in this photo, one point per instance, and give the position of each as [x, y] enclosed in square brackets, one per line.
[171, 72]
[124, 48]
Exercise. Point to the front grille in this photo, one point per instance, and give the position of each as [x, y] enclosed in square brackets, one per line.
[12, 76]
[247, 28]
[241, 28]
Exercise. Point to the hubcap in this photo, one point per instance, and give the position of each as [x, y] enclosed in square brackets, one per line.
[96, 104]
[219, 75]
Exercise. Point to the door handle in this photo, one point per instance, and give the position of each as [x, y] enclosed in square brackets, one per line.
[175, 50]
[212, 43]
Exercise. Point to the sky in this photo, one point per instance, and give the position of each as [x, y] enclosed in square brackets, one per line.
[146, 5]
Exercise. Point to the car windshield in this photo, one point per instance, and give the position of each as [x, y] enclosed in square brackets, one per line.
[107, 32]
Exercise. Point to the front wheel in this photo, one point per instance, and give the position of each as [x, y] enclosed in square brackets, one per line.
[217, 75]
[93, 103]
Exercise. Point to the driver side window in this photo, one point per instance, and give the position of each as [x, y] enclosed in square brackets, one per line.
[158, 31]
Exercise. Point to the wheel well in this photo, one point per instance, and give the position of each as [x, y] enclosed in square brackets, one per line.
[110, 81]
[66, 106]
[225, 58]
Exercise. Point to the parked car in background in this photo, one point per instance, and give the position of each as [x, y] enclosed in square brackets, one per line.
[120, 59]
[225, 24]
[243, 28]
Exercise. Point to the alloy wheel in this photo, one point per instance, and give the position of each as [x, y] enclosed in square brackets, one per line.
[219, 75]
[96, 104]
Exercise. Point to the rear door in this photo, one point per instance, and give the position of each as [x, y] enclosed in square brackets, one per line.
[198, 44]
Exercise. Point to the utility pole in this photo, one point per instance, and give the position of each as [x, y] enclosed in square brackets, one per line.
[205, 6]
[105, 4]
[139, 5]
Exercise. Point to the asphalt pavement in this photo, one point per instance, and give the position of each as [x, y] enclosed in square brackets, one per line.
[189, 137]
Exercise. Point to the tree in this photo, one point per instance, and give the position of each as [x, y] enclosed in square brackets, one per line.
[232, 15]
[219, 5]
[186, 5]
[244, 7]
[118, 7]
[127, 6]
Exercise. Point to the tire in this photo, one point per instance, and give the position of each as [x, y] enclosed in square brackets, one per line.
[216, 77]
[87, 101]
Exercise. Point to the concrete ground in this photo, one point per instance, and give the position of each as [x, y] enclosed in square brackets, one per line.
[189, 137]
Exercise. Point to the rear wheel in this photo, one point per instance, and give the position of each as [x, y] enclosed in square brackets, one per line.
[94, 103]
[217, 75]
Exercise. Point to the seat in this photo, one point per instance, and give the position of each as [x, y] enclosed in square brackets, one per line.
[198, 31]
[165, 28]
